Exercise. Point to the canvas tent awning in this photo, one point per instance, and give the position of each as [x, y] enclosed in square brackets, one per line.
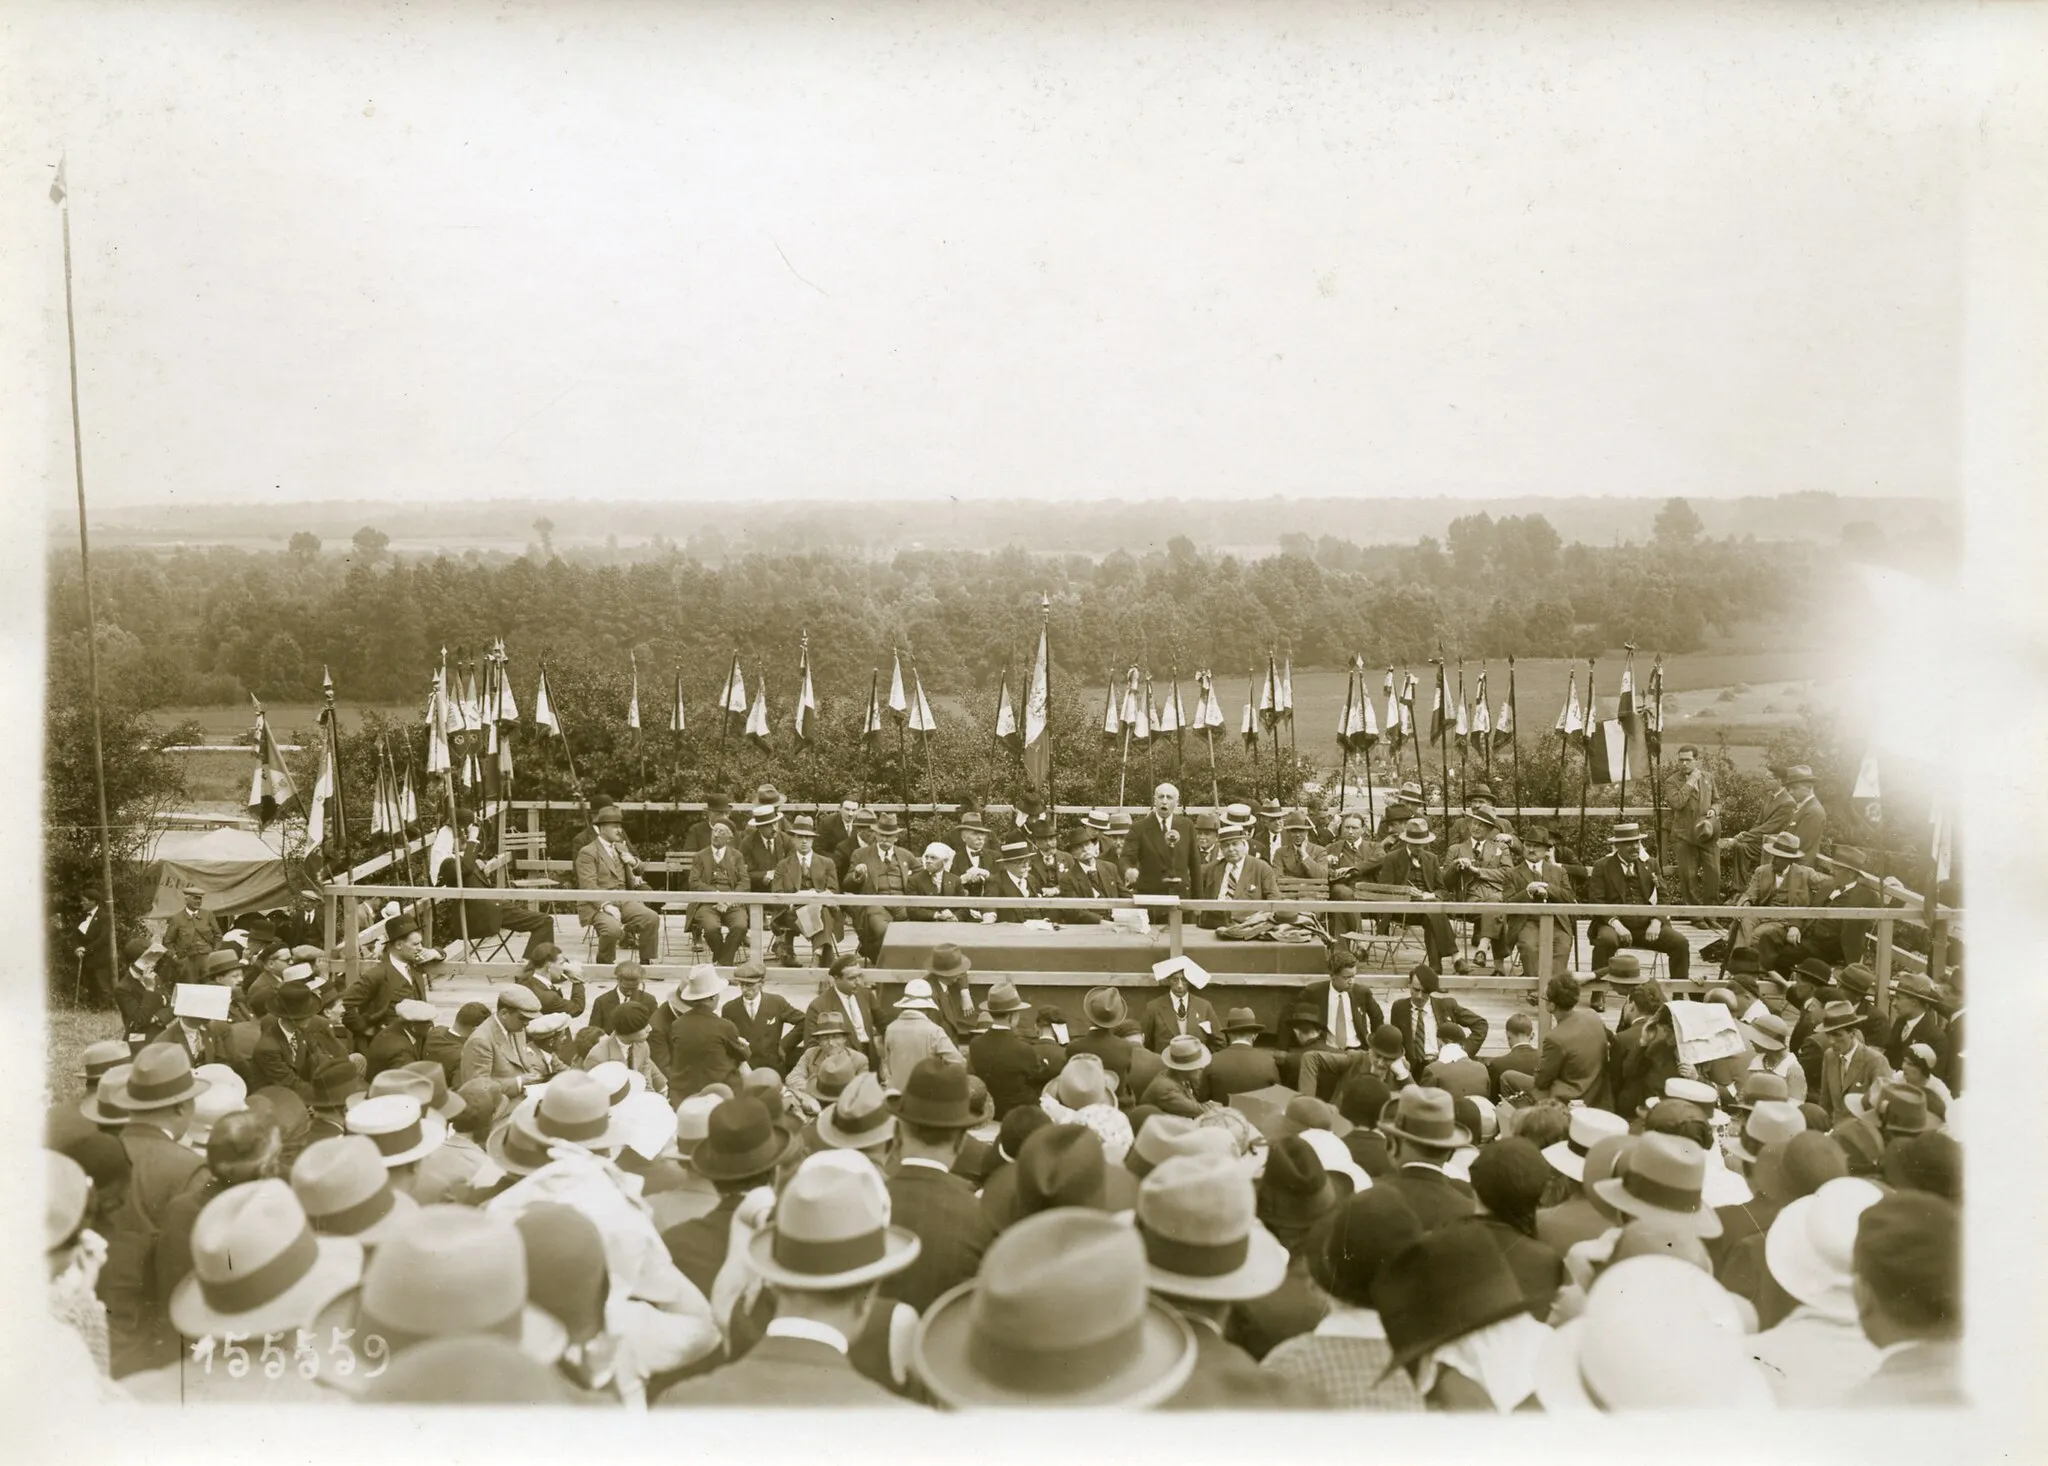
[236, 868]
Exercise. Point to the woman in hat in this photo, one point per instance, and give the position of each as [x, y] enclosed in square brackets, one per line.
[1084, 1093]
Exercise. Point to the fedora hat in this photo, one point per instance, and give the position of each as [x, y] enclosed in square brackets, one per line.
[1662, 1177]
[935, 1095]
[1798, 774]
[1626, 832]
[1624, 968]
[1002, 998]
[345, 1189]
[971, 821]
[917, 993]
[1208, 822]
[702, 983]
[1856, 980]
[1916, 985]
[837, 1070]
[801, 828]
[1294, 1191]
[1417, 832]
[1306, 1015]
[1296, 820]
[608, 815]
[619, 1082]
[1784, 845]
[1839, 1015]
[413, 1081]
[1425, 1116]
[295, 1000]
[859, 1119]
[1242, 1020]
[831, 1228]
[448, 1271]
[1306, 1112]
[693, 1118]
[160, 1078]
[1767, 1031]
[1897, 1107]
[1162, 1137]
[400, 1129]
[102, 1055]
[1451, 1281]
[257, 1265]
[1104, 1007]
[886, 823]
[1083, 1082]
[1185, 1053]
[740, 1141]
[575, 1108]
[219, 963]
[1769, 1122]
[509, 1146]
[831, 1021]
[1759, 1086]
[1658, 1333]
[1197, 1216]
[1061, 1165]
[947, 960]
[1588, 1128]
[1810, 1244]
[1038, 827]
[1058, 1317]
[1083, 834]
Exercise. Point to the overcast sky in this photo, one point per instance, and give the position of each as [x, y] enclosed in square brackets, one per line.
[610, 250]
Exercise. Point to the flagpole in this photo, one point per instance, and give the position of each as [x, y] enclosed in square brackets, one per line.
[1586, 774]
[867, 744]
[1515, 738]
[1344, 742]
[1370, 813]
[1464, 780]
[405, 839]
[1629, 674]
[62, 197]
[903, 756]
[1251, 700]
[1443, 692]
[1273, 688]
[1052, 799]
[1656, 752]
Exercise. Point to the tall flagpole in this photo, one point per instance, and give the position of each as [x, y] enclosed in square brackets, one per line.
[1515, 739]
[61, 196]
[1052, 797]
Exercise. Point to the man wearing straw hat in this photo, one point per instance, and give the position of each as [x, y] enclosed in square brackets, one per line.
[805, 868]
[1625, 876]
[1780, 879]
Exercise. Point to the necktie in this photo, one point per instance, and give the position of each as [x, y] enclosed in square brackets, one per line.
[1180, 1012]
[1229, 884]
[1340, 1020]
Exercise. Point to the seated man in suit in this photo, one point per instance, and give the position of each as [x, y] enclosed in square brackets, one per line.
[1573, 1063]
[1479, 866]
[1780, 879]
[1352, 859]
[608, 863]
[1179, 1010]
[1238, 875]
[1522, 1055]
[1420, 1016]
[1410, 865]
[1087, 875]
[481, 917]
[1299, 857]
[719, 866]
[1535, 876]
[1626, 877]
[1013, 880]
[849, 996]
[1241, 1066]
[764, 1019]
[882, 868]
[933, 877]
[764, 846]
[804, 869]
[974, 866]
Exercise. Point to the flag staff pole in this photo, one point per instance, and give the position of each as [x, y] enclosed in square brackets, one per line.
[1586, 773]
[1344, 740]
[1052, 800]
[1621, 799]
[1515, 739]
[1464, 747]
[1370, 813]
[61, 196]
[1656, 752]
[1443, 691]
[867, 744]
[1251, 700]
[903, 759]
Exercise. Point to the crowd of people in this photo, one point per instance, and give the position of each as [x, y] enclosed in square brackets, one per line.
[952, 1197]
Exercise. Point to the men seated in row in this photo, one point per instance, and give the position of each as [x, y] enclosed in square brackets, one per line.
[607, 863]
[479, 918]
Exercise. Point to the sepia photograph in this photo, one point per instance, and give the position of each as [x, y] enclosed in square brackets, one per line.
[1250, 708]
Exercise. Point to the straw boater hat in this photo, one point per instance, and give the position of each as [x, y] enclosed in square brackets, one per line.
[1417, 832]
[1627, 832]
[258, 1267]
[917, 993]
[1096, 820]
[450, 1270]
[1233, 830]
[346, 1190]
[398, 1127]
[1662, 1177]
[763, 816]
[1588, 1128]
[1657, 1333]
[831, 1228]
[1058, 1316]
[1808, 1248]
[1197, 1216]
[1014, 852]
[1784, 845]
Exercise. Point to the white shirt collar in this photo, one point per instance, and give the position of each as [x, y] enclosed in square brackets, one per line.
[806, 1328]
[918, 1160]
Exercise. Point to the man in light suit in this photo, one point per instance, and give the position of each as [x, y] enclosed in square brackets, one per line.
[1695, 806]
[1159, 853]
[821, 1299]
[1779, 880]
[609, 864]
[882, 868]
[1238, 875]
[1793, 808]
[498, 1047]
[803, 869]
[719, 866]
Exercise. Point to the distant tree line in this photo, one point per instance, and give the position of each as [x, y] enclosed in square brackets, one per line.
[213, 625]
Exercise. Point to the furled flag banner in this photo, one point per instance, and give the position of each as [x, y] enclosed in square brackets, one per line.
[757, 717]
[1112, 722]
[633, 702]
[921, 719]
[1461, 729]
[1571, 718]
[270, 785]
[1408, 690]
[1270, 710]
[899, 700]
[544, 705]
[1007, 731]
[1356, 732]
[1170, 717]
[1208, 707]
[806, 696]
[1604, 744]
[1250, 730]
[1868, 796]
[1136, 716]
[733, 701]
[1037, 715]
[1653, 712]
[1440, 704]
[1504, 725]
[328, 785]
[1482, 719]
[677, 722]
[438, 760]
[871, 725]
[1395, 722]
[1283, 701]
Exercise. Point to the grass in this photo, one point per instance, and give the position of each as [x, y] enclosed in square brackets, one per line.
[67, 1032]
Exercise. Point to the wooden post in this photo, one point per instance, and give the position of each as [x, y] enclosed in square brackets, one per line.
[327, 921]
[1543, 935]
[757, 944]
[1883, 966]
[1173, 931]
[351, 959]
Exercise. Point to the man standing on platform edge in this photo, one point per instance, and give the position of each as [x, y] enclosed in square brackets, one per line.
[1159, 855]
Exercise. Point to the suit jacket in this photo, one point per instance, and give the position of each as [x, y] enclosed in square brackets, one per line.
[1537, 1266]
[945, 1213]
[1803, 887]
[1404, 865]
[1161, 1023]
[1010, 1065]
[1805, 818]
[1006, 887]
[1256, 882]
[1695, 799]
[765, 1031]
[1466, 1078]
[1177, 1093]
[1607, 882]
[1524, 1058]
[1448, 1010]
[1838, 1082]
[144, 1009]
[287, 1062]
[702, 1049]
[1574, 1059]
[159, 1168]
[599, 869]
[778, 1372]
[391, 1049]
[1365, 1008]
[711, 870]
[551, 999]
[607, 1003]
[1554, 877]
[868, 871]
[1115, 1053]
[764, 855]
[1227, 1378]
[1417, 1179]
[921, 884]
[1307, 864]
[1240, 1068]
[1165, 866]
[698, 1247]
[371, 999]
[1105, 882]
[954, 1001]
[1927, 1029]
[831, 1001]
[490, 1052]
